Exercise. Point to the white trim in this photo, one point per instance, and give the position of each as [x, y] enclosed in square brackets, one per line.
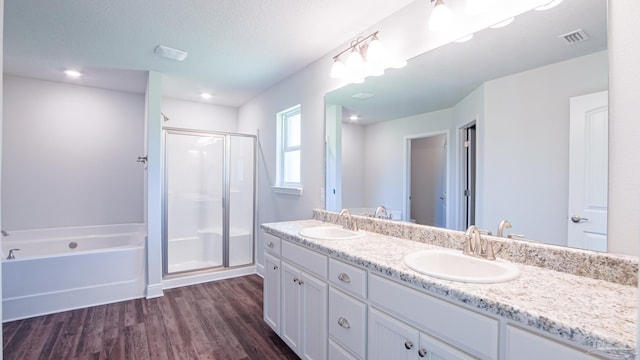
[193, 279]
[287, 190]
[406, 216]
[154, 291]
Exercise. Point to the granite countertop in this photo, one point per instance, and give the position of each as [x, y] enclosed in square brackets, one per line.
[593, 313]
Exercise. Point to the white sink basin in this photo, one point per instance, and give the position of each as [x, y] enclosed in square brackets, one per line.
[454, 265]
[330, 233]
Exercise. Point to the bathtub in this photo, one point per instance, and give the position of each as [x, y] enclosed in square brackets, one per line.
[69, 268]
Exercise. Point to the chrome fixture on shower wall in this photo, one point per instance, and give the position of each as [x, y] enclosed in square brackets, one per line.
[142, 159]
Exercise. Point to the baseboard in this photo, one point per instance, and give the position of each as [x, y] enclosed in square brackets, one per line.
[199, 278]
[154, 291]
[260, 270]
[24, 307]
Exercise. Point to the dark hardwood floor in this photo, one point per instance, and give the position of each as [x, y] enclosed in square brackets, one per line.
[216, 320]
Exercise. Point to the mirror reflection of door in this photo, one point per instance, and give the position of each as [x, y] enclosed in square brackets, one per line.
[428, 180]
[468, 135]
[588, 162]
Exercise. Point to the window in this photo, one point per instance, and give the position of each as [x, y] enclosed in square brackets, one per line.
[288, 151]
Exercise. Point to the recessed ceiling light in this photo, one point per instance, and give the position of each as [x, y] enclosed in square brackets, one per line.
[74, 74]
[548, 5]
[362, 96]
[206, 96]
[353, 117]
[503, 23]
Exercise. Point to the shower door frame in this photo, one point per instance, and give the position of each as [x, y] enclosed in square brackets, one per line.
[226, 201]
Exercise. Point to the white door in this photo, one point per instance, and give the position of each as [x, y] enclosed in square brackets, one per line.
[290, 300]
[433, 349]
[271, 299]
[390, 339]
[588, 162]
[428, 159]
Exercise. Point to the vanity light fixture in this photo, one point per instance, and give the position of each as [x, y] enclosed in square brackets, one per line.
[73, 74]
[502, 23]
[441, 17]
[367, 57]
[464, 38]
[549, 5]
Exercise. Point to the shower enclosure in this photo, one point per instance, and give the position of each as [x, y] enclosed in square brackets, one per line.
[209, 200]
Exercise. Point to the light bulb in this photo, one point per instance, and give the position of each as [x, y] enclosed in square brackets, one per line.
[338, 69]
[441, 17]
[355, 64]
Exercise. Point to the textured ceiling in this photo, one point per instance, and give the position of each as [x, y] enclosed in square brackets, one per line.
[237, 48]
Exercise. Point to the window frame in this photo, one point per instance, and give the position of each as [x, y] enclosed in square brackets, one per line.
[283, 148]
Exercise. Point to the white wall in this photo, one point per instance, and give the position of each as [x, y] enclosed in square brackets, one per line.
[1, 126]
[385, 164]
[353, 179]
[624, 127]
[70, 159]
[199, 116]
[526, 149]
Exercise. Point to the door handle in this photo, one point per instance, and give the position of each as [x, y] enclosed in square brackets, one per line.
[578, 219]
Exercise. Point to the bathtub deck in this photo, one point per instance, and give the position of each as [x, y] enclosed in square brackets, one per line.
[217, 320]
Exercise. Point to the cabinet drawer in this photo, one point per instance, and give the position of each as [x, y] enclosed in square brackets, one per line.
[348, 278]
[308, 259]
[521, 344]
[271, 244]
[472, 332]
[348, 321]
[338, 353]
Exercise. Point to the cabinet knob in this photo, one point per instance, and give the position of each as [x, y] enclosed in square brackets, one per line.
[300, 282]
[422, 352]
[275, 267]
[270, 244]
[408, 345]
[344, 322]
[344, 277]
[295, 280]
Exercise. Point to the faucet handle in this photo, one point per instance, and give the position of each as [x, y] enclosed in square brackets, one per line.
[11, 255]
[485, 231]
[490, 254]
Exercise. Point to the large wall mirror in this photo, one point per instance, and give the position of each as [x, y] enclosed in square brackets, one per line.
[511, 125]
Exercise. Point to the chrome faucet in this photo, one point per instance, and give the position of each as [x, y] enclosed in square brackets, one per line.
[503, 224]
[382, 210]
[473, 244]
[11, 255]
[350, 223]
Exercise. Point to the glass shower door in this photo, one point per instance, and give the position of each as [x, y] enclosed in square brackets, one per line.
[194, 214]
[241, 199]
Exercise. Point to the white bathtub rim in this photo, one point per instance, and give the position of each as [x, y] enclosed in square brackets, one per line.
[19, 257]
[76, 231]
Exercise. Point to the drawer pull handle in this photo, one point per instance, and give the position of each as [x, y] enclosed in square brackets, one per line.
[408, 345]
[275, 267]
[344, 277]
[270, 244]
[300, 282]
[295, 280]
[422, 352]
[344, 323]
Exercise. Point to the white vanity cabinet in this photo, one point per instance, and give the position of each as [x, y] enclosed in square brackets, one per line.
[390, 338]
[304, 301]
[524, 345]
[271, 301]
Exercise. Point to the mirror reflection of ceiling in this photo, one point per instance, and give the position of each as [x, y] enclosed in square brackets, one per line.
[445, 75]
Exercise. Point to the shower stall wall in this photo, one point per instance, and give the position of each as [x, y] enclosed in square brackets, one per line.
[209, 200]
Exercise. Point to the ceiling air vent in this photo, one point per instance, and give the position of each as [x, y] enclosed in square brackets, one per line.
[574, 37]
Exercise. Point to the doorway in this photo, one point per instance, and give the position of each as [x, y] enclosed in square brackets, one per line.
[427, 179]
[468, 175]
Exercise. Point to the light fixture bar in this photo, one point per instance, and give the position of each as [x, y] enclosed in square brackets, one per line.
[355, 43]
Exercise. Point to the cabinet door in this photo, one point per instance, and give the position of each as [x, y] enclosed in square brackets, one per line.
[271, 297]
[290, 301]
[390, 338]
[314, 304]
[433, 349]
